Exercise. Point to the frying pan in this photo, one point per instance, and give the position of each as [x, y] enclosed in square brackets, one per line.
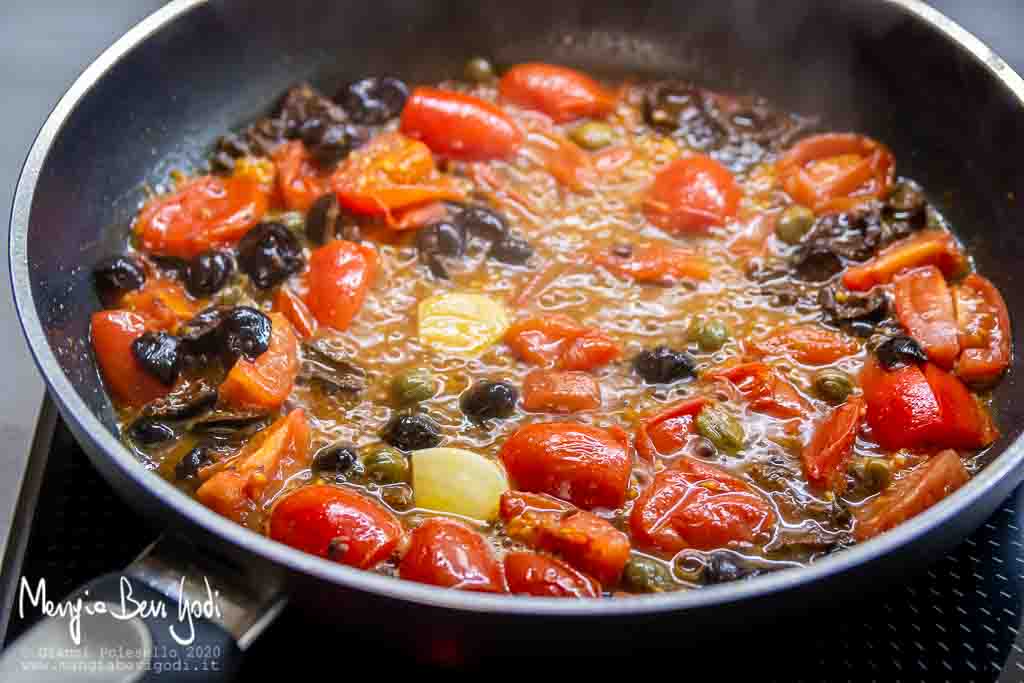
[156, 100]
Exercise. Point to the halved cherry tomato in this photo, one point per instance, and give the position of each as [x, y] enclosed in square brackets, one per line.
[417, 216]
[924, 305]
[560, 391]
[984, 326]
[288, 304]
[299, 179]
[391, 172]
[557, 339]
[534, 574]
[460, 126]
[827, 455]
[584, 540]
[592, 349]
[695, 505]
[587, 465]
[340, 273]
[692, 194]
[336, 523]
[929, 247]
[447, 553]
[966, 424]
[766, 391]
[808, 343]
[655, 263]
[562, 158]
[112, 335]
[203, 213]
[563, 94]
[836, 172]
[666, 432]
[162, 302]
[265, 382]
[921, 488]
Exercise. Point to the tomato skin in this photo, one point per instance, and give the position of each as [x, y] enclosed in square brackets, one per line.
[336, 523]
[340, 274]
[692, 194]
[299, 179]
[592, 349]
[827, 454]
[459, 126]
[112, 335]
[265, 383]
[666, 432]
[901, 407]
[162, 302]
[555, 339]
[924, 305]
[836, 172]
[444, 552]
[203, 213]
[984, 331]
[928, 247]
[764, 389]
[546, 577]
[965, 424]
[563, 94]
[695, 505]
[923, 487]
[288, 304]
[656, 263]
[555, 391]
[562, 158]
[586, 465]
[808, 344]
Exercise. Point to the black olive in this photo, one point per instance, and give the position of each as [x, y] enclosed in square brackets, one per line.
[208, 273]
[188, 467]
[147, 431]
[245, 331]
[269, 253]
[674, 106]
[201, 334]
[853, 307]
[724, 566]
[898, 352]
[118, 274]
[186, 400]
[374, 100]
[302, 104]
[335, 459]
[327, 220]
[815, 263]
[159, 354]
[511, 249]
[662, 365]
[329, 143]
[482, 222]
[441, 239]
[487, 400]
[412, 432]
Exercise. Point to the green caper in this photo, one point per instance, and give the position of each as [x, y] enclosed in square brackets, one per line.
[593, 135]
[413, 386]
[906, 196]
[386, 465]
[479, 70]
[795, 222]
[710, 335]
[646, 575]
[720, 428]
[398, 497]
[877, 472]
[832, 385]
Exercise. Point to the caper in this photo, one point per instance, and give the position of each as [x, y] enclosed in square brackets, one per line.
[386, 466]
[720, 428]
[877, 472]
[832, 385]
[592, 135]
[710, 335]
[646, 575]
[795, 222]
[413, 386]
[479, 70]
[906, 196]
[398, 497]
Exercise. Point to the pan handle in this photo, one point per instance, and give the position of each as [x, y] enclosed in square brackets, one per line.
[176, 612]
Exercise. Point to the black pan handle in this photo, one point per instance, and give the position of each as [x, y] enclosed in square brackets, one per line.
[173, 614]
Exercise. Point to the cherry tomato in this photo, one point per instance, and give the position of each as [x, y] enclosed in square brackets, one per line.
[299, 179]
[592, 349]
[836, 172]
[666, 432]
[447, 553]
[533, 574]
[460, 126]
[692, 194]
[562, 158]
[984, 331]
[695, 505]
[929, 247]
[766, 391]
[809, 344]
[288, 304]
[264, 383]
[965, 423]
[162, 302]
[924, 305]
[203, 213]
[656, 263]
[557, 339]
[336, 523]
[586, 465]
[558, 391]
[563, 94]
[340, 273]
[827, 455]
[910, 495]
[112, 335]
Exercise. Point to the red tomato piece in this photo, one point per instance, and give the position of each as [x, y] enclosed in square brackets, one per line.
[265, 383]
[965, 423]
[766, 391]
[836, 172]
[534, 574]
[692, 194]
[560, 391]
[695, 505]
[809, 344]
[556, 339]
[592, 349]
[299, 179]
[203, 213]
[112, 335]
[336, 523]
[340, 273]
[563, 94]
[752, 239]
[562, 158]
[910, 495]
[901, 407]
[924, 305]
[162, 302]
[288, 304]
[444, 552]
[984, 331]
[666, 432]
[586, 465]
[827, 455]
[459, 126]
[418, 216]
[655, 263]
[929, 247]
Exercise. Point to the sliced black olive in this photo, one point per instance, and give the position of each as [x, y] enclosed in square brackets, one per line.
[329, 143]
[188, 400]
[858, 311]
[674, 106]
[335, 460]
[724, 566]
[245, 331]
[374, 100]
[159, 354]
[303, 104]
[116, 275]
[148, 431]
[201, 334]
[190, 464]
[326, 220]
[511, 249]
[662, 365]
[898, 352]
[815, 263]
[482, 222]
[228, 423]
[269, 253]
[444, 239]
[412, 432]
[487, 400]
[331, 369]
[208, 273]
